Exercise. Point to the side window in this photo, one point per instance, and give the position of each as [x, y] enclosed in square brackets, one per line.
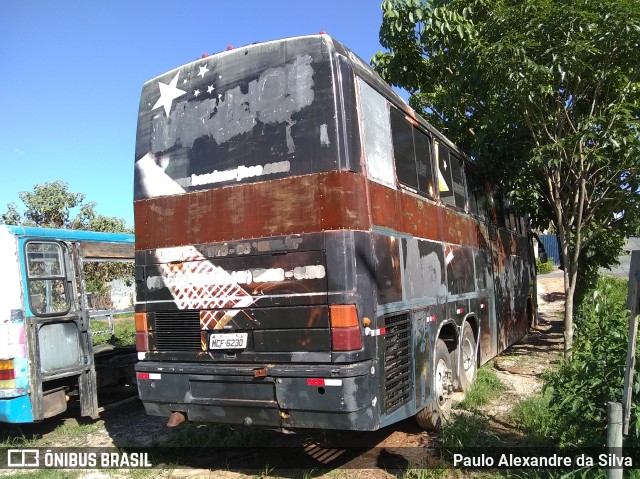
[478, 202]
[485, 200]
[472, 186]
[510, 218]
[424, 163]
[403, 151]
[445, 184]
[412, 152]
[458, 182]
[523, 224]
[374, 121]
[498, 207]
[46, 278]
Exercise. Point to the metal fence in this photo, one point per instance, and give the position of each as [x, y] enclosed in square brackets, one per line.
[550, 243]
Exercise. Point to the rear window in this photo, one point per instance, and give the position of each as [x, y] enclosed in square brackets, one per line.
[252, 114]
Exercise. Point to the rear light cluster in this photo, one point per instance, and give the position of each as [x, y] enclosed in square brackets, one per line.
[346, 334]
[13, 350]
[143, 332]
[345, 329]
[7, 374]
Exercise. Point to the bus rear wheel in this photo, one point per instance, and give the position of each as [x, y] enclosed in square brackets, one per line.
[468, 369]
[439, 408]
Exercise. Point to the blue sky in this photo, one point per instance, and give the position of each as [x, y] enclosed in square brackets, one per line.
[72, 72]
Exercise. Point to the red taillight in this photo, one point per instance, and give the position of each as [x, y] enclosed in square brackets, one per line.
[142, 342]
[142, 335]
[346, 339]
[7, 373]
[345, 330]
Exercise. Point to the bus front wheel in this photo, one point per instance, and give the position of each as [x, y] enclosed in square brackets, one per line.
[439, 408]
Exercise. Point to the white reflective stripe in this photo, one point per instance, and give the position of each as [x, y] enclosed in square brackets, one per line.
[374, 332]
[155, 376]
[333, 382]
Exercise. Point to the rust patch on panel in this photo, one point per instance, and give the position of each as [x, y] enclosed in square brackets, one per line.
[293, 205]
[385, 206]
[459, 229]
[420, 218]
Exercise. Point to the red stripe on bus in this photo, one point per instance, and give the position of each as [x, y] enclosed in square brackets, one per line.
[296, 205]
[303, 204]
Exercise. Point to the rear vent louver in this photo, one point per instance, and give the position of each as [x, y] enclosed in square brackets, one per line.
[177, 330]
[397, 373]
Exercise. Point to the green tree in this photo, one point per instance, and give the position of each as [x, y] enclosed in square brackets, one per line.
[545, 92]
[49, 205]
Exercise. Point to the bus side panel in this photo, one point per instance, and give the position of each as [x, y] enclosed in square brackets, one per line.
[15, 404]
[511, 289]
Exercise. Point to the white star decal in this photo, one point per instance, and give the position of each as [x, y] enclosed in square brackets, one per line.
[210, 89]
[196, 93]
[168, 93]
[203, 71]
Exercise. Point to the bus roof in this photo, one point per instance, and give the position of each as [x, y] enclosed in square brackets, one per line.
[69, 235]
[359, 65]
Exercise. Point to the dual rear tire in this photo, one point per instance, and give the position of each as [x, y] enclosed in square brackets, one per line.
[438, 410]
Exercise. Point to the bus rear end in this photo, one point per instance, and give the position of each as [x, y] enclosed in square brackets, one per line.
[253, 259]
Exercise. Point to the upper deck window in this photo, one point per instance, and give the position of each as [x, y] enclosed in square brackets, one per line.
[445, 183]
[412, 152]
[403, 150]
[457, 177]
[424, 163]
[376, 130]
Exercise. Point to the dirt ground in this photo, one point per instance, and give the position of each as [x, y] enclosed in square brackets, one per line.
[519, 368]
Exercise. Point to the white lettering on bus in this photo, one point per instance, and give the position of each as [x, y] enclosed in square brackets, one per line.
[273, 98]
[240, 173]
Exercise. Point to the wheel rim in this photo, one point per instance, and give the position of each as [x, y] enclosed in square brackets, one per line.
[468, 360]
[441, 374]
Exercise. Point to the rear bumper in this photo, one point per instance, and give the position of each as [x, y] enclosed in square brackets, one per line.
[16, 410]
[287, 396]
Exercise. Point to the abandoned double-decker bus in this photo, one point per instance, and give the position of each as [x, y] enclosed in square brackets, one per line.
[310, 253]
[46, 349]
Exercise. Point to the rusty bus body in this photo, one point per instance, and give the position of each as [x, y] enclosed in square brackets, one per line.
[307, 247]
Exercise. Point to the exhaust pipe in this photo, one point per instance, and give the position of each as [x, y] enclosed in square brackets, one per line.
[176, 419]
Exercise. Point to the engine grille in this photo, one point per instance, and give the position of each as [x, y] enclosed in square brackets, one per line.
[178, 330]
[397, 372]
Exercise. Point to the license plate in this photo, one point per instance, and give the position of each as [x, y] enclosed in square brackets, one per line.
[228, 341]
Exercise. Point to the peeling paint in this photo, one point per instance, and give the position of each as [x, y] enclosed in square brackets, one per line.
[276, 95]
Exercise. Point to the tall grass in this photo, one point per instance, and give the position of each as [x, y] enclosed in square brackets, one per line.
[485, 389]
[536, 420]
[580, 389]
